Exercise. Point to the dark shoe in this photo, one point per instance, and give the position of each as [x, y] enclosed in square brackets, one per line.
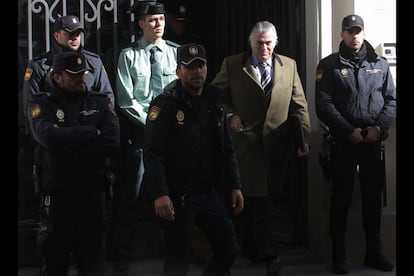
[338, 255]
[339, 268]
[212, 269]
[273, 267]
[378, 261]
[198, 260]
[120, 265]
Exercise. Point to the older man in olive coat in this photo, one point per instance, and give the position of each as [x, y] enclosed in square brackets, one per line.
[259, 119]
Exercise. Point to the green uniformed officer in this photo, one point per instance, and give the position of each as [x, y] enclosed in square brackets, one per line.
[144, 68]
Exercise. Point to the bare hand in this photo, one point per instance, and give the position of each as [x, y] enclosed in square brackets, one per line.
[164, 208]
[237, 201]
[303, 151]
[235, 123]
[373, 134]
[356, 137]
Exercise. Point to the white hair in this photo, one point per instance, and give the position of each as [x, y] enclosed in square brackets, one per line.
[263, 27]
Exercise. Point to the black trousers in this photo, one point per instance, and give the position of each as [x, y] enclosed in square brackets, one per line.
[345, 158]
[72, 229]
[209, 213]
[125, 204]
[258, 243]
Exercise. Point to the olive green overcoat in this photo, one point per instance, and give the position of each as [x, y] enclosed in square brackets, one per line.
[263, 147]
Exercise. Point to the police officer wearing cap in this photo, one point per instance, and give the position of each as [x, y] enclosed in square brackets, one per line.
[190, 167]
[78, 133]
[144, 68]
[178, 22]
[355, 97]
[66, 33]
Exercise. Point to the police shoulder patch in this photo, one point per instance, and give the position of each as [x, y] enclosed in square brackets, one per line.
[28, 74]
[153, 113]
[35, 111]
[319, 74]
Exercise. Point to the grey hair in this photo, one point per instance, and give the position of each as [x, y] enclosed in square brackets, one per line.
[263, 27]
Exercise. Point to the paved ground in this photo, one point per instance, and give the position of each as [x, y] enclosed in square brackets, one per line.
[242, 267]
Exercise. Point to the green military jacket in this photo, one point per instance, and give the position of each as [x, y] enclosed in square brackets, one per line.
[133, 75]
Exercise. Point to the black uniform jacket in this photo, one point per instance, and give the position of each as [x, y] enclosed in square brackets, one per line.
[71, 154]
[35, 80]
[172, 140]
[348, 95]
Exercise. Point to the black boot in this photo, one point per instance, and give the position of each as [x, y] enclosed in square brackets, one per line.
[338, 255]
[213, 269]
[273, 266]
[374, 257]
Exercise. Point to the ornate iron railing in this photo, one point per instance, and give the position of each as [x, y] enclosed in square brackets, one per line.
[88, 12]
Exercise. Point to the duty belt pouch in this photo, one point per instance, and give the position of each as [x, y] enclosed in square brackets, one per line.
[325, 163]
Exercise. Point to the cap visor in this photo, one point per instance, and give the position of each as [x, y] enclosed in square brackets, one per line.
[354, 26]
[74, 29]
[191, 60]
[76, 72]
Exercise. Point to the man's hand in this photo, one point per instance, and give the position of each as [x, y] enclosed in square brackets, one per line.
[303, 151]
[372, 134]
[164, 208]
[356, 136]
[235, 123]
[237, 201]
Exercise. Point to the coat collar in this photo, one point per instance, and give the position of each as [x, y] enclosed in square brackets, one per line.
[248, 66]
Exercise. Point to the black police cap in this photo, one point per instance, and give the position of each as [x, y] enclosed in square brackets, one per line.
[190, 52]
[351, 21]
[177, 10]
[70, 61]
[69, 23]
[146, 7]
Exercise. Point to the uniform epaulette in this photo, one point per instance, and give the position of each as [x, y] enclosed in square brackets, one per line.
[89, 53]
[132, 45]
[168, 92]
[382, 57]
[41, 56]
[97, 93]
[39, 94]
[170, 43]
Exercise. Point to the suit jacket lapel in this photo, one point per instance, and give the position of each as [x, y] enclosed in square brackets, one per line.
[248, 68]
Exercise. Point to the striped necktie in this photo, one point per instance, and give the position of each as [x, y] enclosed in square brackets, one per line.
[265, 78]
[156, 75]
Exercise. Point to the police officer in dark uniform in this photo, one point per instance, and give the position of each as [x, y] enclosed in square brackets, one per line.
[178, 27]
[66, 33]
[190, 167]
[78, 133]
[66, 36]
[356, 98]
